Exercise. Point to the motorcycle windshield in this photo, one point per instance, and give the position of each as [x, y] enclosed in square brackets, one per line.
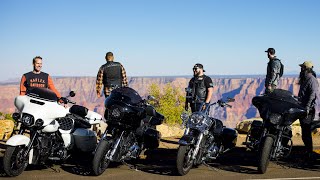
[43, 94]
[280, 102]
[126, 95]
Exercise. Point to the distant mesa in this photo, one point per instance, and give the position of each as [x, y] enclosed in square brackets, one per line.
[241, 88]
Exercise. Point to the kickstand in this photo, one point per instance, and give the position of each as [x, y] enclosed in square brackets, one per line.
[283, 165]
[56, 170]
[210, 167]
[133, 167]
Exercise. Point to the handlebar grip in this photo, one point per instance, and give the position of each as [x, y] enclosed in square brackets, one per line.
[228, 105]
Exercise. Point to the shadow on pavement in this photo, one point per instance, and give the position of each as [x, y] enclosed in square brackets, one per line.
[162, 161]
[298, 160]
[159, 161]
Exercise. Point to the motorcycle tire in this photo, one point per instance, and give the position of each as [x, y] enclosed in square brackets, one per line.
[183, 163]
[265, 154]
[100, 163]
[13, 162]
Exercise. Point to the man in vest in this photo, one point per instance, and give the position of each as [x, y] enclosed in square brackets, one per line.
[200, 89]
[273, 71]
[110, 75]
[36, 79]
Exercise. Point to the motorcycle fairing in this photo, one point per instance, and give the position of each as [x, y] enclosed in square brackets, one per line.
[48, 111]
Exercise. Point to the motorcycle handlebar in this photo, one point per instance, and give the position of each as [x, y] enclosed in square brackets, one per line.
[66, 100]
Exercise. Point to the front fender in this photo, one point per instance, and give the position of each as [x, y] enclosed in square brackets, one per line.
[18, 140]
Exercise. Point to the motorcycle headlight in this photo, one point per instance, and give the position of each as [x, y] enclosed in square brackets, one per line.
[27, 119]
[275, 118]
[16, 116]
[196, 118]
[184, 116]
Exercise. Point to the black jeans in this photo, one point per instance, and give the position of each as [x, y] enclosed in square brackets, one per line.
[195, 106]
[305, 124]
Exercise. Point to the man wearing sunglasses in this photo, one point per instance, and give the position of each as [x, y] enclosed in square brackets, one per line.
[200, 89]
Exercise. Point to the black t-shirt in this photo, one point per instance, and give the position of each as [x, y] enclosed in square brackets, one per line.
[198, 89]
[207, 81]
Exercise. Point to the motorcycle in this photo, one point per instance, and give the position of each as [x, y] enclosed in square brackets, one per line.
[271, 138]
[48, 131]
[131, 128]
[205, 138]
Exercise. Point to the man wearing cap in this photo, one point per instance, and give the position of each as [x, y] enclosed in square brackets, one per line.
[110, 75]
[200, 89]
[273, 71]
[307, 96]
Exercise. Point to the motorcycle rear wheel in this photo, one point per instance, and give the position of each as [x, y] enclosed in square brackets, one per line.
[265, 154]
[14, 162]
[100, 163]
[184, 162]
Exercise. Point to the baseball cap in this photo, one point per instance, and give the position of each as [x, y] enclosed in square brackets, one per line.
[109, 54]
[272, 51]
[307, 64]
[198, 65]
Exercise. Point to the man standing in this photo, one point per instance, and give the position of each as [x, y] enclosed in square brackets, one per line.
[200, 89]
[307, 96]
[274, 71]
[110, 75]
[36, 79]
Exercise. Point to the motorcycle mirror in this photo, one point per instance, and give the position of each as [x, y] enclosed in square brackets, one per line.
[72, 94]
[231, 99]
[151, 97]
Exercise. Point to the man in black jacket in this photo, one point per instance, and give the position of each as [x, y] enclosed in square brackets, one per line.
[274, 71]
[307, 96]
[110, 75]
[200, 89]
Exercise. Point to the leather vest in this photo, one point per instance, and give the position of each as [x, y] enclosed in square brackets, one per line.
[199, 90]
[112, 74]
[36, 80]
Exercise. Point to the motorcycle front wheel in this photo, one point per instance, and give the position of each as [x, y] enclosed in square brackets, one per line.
[100, 163]
[265, 155]
[14, 160]
[184, 161]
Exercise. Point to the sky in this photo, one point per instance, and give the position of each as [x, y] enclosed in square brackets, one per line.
[158, 37]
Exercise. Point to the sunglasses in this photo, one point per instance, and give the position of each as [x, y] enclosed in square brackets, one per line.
[195, 69]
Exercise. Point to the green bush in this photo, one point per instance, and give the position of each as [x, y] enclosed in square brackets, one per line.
[171, 102]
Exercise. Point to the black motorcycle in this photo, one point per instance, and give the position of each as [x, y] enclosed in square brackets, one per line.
[204, 139]
[131, 129]
[271, 138]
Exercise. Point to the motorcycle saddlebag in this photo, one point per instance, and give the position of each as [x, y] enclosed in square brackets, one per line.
[151, 138]
[229, 137]
[256, 129]
[85, 140]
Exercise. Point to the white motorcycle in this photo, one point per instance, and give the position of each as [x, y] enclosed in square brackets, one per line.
[49, 131]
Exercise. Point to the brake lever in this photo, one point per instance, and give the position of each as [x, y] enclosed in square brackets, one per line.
[71, 102]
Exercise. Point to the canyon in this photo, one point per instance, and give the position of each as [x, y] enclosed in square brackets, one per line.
[241, 88]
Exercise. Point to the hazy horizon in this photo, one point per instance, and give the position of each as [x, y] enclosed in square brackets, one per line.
[157, 38]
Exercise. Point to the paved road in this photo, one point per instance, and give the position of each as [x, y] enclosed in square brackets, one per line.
[160, 164]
